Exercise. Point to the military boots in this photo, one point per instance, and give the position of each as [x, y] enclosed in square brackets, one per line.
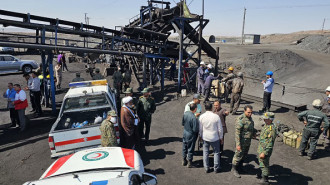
[235, 172]
[264, 180]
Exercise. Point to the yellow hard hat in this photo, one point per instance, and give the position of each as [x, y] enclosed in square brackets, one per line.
[41, 77]
[231, 68]
[48, 76]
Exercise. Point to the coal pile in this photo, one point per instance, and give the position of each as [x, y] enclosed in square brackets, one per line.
[319, 43]
[282, 63]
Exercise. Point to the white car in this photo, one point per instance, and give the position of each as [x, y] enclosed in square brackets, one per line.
[97, 166]
[84, 108]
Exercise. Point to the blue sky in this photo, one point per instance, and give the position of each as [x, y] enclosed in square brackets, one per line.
[263, 16]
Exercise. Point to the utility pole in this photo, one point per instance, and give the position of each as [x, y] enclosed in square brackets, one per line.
[85, 18]
[203, 9]
[323, 24]
[243, 26]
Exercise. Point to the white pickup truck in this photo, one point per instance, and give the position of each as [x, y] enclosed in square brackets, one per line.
[84, 108]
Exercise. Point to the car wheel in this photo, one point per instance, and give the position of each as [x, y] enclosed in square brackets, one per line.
[27, 69]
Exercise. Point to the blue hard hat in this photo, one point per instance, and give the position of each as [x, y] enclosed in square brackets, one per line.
[269, 73]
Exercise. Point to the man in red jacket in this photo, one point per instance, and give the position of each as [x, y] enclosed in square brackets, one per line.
[20, 105]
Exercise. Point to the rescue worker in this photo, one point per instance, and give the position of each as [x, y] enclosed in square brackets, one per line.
[207, 86]
[196, 100]
[190, 133]
[207, 71]
[237, 85]
[326, 111]
[268, 89]
[244, 131]
[228, 87]
[78, 78]
[145, 108]
[200, 78]
[266, 143]
[117, 81]
[97, 75]
[313, 120]
[108, 131]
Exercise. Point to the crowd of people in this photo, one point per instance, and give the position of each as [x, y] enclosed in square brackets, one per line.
[135, 121]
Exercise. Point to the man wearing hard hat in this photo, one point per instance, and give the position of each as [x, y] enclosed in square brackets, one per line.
[312, 120]
[326, 111]
[268, 89]
[200, 78]
[230, 76]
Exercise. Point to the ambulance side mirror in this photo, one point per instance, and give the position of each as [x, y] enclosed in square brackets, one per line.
[149, 179]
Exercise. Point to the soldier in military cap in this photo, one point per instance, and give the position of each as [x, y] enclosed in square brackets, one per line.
[145, 108]
[97, 75]
[108, 132]
[313, 120]
[244, 131]
[266, 143]
[78, 79]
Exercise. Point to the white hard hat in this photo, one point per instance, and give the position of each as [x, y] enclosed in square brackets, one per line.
[317, 103]
[328, 88]
[210, 66]
[211, 74]
[202, 63]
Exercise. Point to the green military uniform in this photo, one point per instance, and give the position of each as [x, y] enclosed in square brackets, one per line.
[244, 131]
[97, 76]
[108, 132]
[266, 143]
[312, 130]
[146, 107]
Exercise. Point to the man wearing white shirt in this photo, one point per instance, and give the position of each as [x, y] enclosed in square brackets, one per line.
[20, 105]
[34, 88]
[210, 130]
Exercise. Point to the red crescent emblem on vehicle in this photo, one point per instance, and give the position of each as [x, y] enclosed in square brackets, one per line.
[98, 155]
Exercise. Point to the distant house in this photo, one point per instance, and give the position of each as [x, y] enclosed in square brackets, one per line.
[251, 39]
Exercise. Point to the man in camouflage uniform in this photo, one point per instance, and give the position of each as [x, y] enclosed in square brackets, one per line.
[97, 75]
[237, 85]
[108, 132]
[146, 107]
[312, 130]
[230, 76]
[78, 79]
[244, 131]
[266, 143]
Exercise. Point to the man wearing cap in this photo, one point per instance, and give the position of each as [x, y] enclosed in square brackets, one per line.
[108, 131]
[208, 84]
[313, 120]
[244, 132]
[129, 120]
[237, 85]
[229, 76]
[97, 75]
[266, 143]
[78, 79]
[268, 89]
[196, 100]
[200, 78]
[190, 132]
[145, 108]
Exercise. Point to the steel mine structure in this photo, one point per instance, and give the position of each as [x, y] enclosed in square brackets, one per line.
[143, 44]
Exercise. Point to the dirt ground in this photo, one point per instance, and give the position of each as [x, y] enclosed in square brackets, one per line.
[25, 156]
